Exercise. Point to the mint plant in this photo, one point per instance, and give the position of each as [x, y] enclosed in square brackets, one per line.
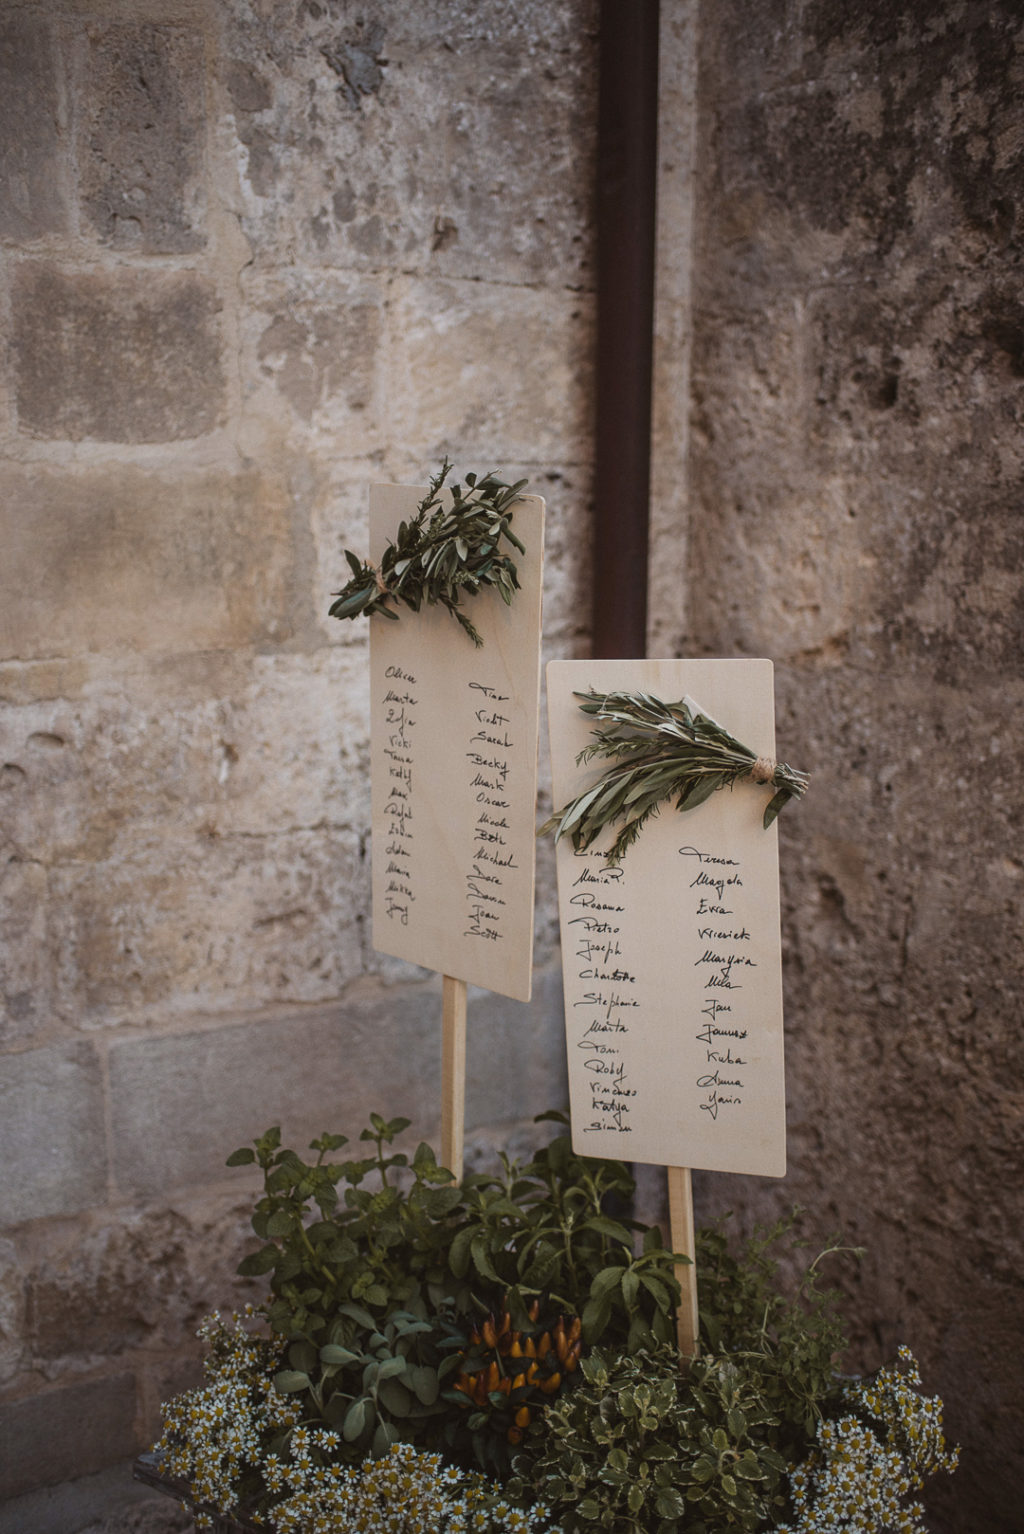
[390, 1285]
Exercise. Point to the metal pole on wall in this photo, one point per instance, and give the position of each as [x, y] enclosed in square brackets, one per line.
[627, 169]
[625, 216]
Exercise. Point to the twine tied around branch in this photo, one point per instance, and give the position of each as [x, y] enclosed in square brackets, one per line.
[660, 751]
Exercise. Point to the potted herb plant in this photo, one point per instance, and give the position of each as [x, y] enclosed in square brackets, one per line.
[498, 1354]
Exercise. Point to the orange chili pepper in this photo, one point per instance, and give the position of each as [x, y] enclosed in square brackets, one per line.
[551, 1384]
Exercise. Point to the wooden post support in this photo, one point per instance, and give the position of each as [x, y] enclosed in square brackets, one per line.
[681, 1239]
[453, 1074]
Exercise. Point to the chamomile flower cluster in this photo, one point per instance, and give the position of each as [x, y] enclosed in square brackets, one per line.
[407, 1491]
[241, 1447]
[872, 1459]
[216, 1435]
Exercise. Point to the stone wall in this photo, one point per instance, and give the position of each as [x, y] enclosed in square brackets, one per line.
[854, 482]
[254, 255]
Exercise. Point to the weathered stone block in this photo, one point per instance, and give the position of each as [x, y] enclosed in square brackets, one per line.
[314, 344]
[231, 743]
[494, 181]
[130, 356]
[182, 1102]
[122, 560]
[515, 1056]
[140, 1280]
[12, 1307]
[33, 178]
[141, 142]
[502, 372]
[52, 1139]
[26, 959]
[174, 924]
[65, 1433]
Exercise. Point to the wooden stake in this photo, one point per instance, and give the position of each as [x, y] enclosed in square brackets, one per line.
[681, 1239]
[453, 1074]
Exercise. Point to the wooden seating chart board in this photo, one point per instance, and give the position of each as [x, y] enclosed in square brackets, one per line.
[453, 743]
[672, 960]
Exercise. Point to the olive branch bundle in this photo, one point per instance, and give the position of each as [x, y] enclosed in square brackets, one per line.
[441, 555]
[662, 751]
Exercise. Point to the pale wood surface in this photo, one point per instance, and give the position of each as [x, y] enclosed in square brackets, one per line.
[681, 1239]
[674, 1031]
[453, 1074]
[454, 770]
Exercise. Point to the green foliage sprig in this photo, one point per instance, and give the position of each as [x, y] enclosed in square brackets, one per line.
[442, 554]
[663, 751]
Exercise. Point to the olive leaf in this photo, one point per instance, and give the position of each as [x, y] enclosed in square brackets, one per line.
[662, 751]
[441, 555]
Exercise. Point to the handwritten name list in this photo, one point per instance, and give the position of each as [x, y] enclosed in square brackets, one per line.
[672, 960]
[492, 760]
[454, 771]
[399, 711]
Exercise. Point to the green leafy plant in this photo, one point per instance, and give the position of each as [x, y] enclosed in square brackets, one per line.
[640, 1447]
[441, 555]
[661, 751]
[519, 1323]
[388, 1281]
[545, 1230]
[792, 1341]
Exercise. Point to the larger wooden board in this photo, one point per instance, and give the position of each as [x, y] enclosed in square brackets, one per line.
[454, 770]
[672, 961]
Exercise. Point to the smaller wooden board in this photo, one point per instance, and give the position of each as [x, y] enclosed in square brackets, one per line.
[672, 960]
[453, 744]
